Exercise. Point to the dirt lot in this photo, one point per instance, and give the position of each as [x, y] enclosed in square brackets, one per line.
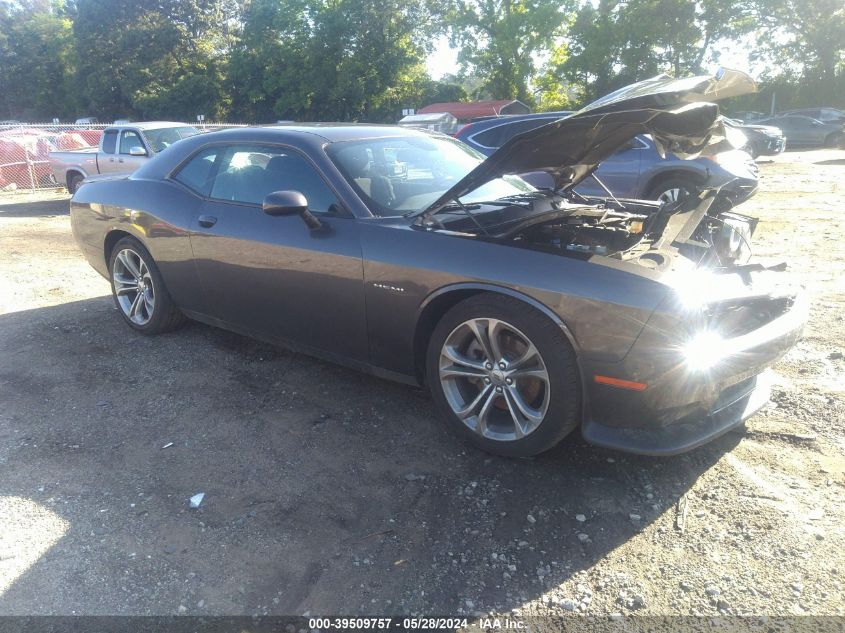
[328, 491]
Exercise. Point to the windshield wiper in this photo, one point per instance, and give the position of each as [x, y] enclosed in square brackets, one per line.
[460, 206]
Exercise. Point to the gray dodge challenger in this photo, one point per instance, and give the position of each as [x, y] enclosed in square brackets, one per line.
[527, 312]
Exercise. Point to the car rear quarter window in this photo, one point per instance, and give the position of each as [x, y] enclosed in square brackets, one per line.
[109, 141]
[198, 173]
[248, 174]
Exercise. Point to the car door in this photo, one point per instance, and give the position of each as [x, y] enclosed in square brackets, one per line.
[620, 172]
[128, 157]
[797, 129]
[274, 276]
[107, 156]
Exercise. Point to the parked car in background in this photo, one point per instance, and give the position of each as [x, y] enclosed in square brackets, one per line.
[87, 120]
[636, 170]
[528, 313]
[436, 122]
[748, 116]
[762, 140]
[122, 150]
[825, 115]
[803, 131]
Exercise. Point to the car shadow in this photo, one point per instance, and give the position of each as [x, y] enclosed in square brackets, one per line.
[326, 490]
[835, 161]
[39, 208]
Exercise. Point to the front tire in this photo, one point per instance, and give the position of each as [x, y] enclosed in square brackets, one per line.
[504, 376]
[672, 189]
[139, 291]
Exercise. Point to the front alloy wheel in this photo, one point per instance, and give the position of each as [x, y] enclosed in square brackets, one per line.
[133, 286]
[494, 379]
[504, 375]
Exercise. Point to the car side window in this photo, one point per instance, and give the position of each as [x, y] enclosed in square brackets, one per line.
[109, 141]
[130, 139]
[198, 173]
[249, 173]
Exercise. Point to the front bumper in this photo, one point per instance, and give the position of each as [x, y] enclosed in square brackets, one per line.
[682, 407]
[735, 406]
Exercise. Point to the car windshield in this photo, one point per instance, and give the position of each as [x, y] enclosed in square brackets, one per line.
[163, 138]
[405, 175]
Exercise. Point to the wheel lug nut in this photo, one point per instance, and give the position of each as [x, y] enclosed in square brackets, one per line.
[501, 365]
[486, 381]
[509, 381]
[488, 365]
[498, 390]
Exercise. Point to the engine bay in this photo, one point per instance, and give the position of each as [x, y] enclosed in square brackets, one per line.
[647, 233]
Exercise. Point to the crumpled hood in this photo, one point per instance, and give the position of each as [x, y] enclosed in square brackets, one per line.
[676, 112]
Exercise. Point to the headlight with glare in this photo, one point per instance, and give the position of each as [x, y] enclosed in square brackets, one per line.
[704, 351]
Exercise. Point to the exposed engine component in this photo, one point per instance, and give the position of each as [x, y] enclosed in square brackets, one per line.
[647, 233]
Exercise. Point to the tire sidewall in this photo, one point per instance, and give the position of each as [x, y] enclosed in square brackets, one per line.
[564, 412]
[73, 183]
[159, 291]
[673, 183]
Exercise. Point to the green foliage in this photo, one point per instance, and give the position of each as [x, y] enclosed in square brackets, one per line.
[37, 60]
[499, 40]
[615, 43]
[329, 59]
[150, 58]
[263, 60]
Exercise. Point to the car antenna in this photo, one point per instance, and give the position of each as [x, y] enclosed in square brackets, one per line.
[609, 192]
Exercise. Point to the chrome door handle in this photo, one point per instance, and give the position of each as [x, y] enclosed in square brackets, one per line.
[207, 221]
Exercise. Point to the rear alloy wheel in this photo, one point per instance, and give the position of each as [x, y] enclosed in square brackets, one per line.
[139, 291]
[672, 190]
[504, 376]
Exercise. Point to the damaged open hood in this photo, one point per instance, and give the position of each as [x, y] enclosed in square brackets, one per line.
[676, 112]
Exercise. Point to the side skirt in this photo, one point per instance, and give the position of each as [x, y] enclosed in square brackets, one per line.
[308, 350]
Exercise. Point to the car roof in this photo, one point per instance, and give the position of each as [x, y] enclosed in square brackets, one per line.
[303, 136]
[792, 116]
[494, 121]
[336, 132]
[150, 125]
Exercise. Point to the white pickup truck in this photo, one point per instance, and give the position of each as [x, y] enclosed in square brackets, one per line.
[123, 148]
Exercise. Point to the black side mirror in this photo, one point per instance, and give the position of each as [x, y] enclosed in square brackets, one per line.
[290, 203]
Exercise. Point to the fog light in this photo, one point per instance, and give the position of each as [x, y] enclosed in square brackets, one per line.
[704, 351]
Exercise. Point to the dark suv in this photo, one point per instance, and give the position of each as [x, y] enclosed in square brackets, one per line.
[637, 170]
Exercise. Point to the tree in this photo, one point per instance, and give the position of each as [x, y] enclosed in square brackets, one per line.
[37, 60]
[330, 59]
[151, 58]
[803, 38]
[615, 43]
[499, 40]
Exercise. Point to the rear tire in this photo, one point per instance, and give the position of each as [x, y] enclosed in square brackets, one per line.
[139, 291]
[73, 182]
[672, 189]
[504, 376]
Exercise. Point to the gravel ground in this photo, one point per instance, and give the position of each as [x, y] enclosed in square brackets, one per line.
[328, 491]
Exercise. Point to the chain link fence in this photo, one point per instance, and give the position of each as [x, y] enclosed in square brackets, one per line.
[25, 150]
